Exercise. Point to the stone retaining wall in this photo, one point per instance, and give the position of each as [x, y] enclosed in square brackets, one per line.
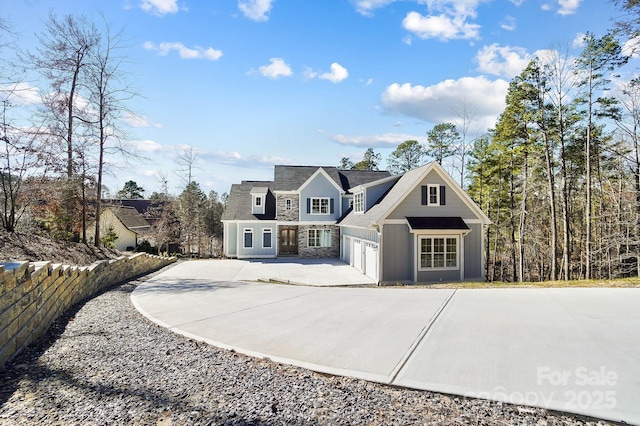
[33, 295]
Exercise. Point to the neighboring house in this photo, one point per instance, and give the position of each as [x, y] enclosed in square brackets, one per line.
[416, 227]
[127, 222]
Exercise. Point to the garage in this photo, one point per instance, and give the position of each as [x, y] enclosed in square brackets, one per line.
[371, 260]
[356, 254]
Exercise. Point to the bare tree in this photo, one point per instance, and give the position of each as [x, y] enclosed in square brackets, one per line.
[62, 55]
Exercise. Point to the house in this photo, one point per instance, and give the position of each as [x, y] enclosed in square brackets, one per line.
[127, 222]
[416, 227]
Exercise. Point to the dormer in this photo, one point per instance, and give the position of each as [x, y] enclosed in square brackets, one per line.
[258, 199]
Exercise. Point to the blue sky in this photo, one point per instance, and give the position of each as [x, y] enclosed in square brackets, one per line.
[252, 83]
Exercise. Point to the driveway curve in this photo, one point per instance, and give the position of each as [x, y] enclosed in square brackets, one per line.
[572, 350]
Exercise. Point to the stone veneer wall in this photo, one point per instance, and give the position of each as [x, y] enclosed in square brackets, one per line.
[282, 213]
[318, 252]
[33, 295]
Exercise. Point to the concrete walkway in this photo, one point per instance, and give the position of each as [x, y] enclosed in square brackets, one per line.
[573, 350]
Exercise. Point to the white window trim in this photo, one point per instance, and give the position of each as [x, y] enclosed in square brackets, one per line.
[437, 187]
[246, 231]
[443, 236]
[356, 208]
[328, 199]
[316, 230]
[257, 201]
[288, 204]
[267, 231]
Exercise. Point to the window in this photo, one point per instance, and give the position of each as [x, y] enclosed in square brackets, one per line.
[248, 238]
[433, 195]
[319, 238]
[358, 202]
[287, 204]
[266, 238]
[439, 253]
[319, 205]
[258, 201]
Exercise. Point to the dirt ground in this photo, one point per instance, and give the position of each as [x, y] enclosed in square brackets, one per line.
[16, 247]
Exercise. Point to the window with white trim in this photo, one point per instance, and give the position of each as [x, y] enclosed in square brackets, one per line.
[433, 195]
[247, 238]
[266, 238]
[438, 253]
[258, 201]
[320, 205]
[319, 238]
[287, 204]
[358, 202]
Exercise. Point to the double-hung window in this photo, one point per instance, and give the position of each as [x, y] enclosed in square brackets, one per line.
[266, 238]
[439, 253]
[248, 238]
[358, 202]
[319, 238]
[320, 205]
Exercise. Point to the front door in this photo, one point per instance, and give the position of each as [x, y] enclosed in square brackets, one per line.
[288, 241]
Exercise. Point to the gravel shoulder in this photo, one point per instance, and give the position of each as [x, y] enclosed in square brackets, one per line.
[103, 363]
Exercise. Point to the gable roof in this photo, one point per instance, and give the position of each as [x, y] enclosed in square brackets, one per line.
[291, 178]
[239, 202]
[130, 218]
[403, 186]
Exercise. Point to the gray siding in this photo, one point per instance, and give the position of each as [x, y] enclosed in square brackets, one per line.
[230, 239]
[438, 276]
[362, 233]
[374, 193]
[256, 250]
[473, 261]
[398, 253]
[412, 204]
[319, 187]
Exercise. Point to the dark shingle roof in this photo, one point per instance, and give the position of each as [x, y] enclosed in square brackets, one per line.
[437, 223]
[130, 218]
[290, 178]
[239, 202]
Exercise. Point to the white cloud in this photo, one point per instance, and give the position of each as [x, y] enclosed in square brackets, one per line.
[508, 23]
[277, 68]
[337, 74]
[442, 102]
[21, 94]
[256, 10]
[578, 40]
[568, 7]
[506, 61]
[236, 159]
[386, 140]
[443, 26]
[146, 146]
[159, 7]
[366, 7]
[139, 121]
[631, 47]
[184, 52]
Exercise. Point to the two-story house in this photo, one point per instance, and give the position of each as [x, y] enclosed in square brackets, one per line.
[296, 214]
[419, 226]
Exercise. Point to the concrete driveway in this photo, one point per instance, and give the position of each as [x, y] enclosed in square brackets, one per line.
[573, 350]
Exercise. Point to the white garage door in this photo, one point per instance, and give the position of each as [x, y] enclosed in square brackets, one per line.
[356, 254]
[346, 250]
[371, 260]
